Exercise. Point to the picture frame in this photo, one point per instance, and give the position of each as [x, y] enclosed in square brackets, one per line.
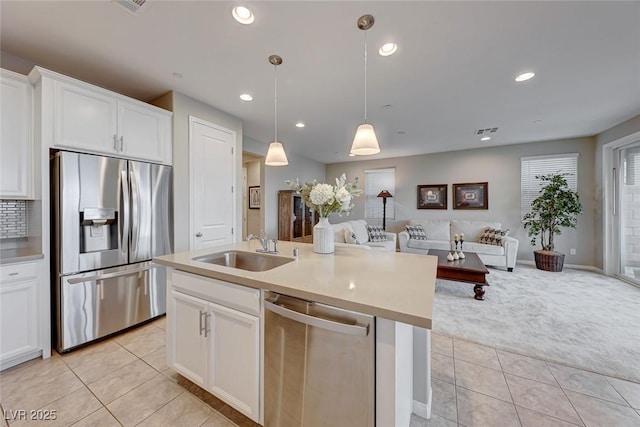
[432, 196]
[473, 195]
[254, 197]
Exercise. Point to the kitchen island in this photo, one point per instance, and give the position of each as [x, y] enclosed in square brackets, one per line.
[396, 288]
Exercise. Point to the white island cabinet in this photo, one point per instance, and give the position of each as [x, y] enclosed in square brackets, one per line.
[216, 322]
[213, 338]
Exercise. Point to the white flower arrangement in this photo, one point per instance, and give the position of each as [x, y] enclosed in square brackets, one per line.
[327, 198]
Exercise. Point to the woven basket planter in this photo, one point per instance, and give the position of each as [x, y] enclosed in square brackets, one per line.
[549, 260]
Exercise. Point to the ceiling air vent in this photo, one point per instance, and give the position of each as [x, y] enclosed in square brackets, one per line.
[132, 6]
[486, 131]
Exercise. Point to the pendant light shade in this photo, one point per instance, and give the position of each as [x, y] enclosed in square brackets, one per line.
[365, 142]
[275, 155]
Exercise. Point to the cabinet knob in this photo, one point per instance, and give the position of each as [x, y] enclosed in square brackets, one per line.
[198, 234]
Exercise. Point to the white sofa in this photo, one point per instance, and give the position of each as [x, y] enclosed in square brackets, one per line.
[440, 234]
[359, 227]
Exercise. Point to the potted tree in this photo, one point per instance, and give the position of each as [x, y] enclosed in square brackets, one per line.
[557, 206]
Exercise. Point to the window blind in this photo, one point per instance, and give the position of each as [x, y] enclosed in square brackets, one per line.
[375, 181]
[530, 167]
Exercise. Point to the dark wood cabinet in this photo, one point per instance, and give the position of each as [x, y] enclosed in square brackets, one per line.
[295, 219]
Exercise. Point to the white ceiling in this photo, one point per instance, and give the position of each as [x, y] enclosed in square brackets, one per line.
[453, 72]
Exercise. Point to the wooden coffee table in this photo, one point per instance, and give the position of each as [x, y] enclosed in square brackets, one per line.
[467, 270]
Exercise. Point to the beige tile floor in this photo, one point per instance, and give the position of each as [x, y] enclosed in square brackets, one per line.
[474, 385]
[125, 381]
[120, 381]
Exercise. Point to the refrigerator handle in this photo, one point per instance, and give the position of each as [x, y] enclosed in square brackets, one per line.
[106, 276]
[135, 215]
[125, 212]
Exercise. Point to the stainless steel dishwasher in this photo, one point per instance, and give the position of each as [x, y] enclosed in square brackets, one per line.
[319, 365]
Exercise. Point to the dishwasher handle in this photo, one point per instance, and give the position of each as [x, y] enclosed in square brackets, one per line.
[306, 319]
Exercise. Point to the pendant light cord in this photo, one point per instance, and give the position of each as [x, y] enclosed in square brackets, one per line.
[365, 76]
[275, 101]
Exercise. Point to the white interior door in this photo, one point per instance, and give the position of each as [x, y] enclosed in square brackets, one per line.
[212, 176]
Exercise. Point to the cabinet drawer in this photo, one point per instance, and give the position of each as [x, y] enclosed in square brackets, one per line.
[224, 293]
[12, 272]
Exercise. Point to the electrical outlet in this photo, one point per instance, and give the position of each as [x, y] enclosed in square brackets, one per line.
[572, 251]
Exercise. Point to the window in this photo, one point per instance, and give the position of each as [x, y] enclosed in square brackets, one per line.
[544, 165]
[375, 181]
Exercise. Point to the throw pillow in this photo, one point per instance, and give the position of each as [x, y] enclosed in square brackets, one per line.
[416, 232]
[492, 236]
[350, 237]
[376, 233]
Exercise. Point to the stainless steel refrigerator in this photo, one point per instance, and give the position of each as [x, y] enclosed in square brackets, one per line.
[111, 217]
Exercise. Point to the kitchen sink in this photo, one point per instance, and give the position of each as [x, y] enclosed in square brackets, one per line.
[249, 261]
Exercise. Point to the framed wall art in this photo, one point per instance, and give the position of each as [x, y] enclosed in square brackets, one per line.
[254, 197]
[432, 196]
[471, 196]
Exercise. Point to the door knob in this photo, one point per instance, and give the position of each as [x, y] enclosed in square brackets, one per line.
[198, 234]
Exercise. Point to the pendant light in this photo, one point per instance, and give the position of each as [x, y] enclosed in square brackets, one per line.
[365, 142]
[275, 155]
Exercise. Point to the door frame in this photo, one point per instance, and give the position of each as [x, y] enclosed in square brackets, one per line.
[611, 254]
[234, 140]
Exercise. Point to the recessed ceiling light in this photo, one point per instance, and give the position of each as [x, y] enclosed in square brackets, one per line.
[299, 125]
[387, 106]
[351, 155]
[400, 132]
[525, 76]
[177, 75]
[485, 138]
[246, 97]
[388, 49]
[537, 122]
[243, 15]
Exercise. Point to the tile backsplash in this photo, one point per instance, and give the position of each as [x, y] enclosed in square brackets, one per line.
[13, 219]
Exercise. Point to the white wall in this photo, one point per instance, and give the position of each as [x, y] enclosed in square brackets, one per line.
[500, 166]
[183, 107]
[274, 176]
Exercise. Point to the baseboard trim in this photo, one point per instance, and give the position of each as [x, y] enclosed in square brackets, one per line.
[573, 266]
[421, 409]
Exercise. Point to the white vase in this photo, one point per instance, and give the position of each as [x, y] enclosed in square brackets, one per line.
[323, 238]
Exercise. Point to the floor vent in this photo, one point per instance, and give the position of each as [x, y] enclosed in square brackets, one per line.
[132, 6]
[486, 131]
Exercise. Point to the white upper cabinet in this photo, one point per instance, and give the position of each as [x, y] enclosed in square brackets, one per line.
[90, 119]
[16, 143]
[143, 133]
[84, 119]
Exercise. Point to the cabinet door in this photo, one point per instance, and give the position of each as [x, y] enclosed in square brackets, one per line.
[143, 133]
[18, 318]
[15, 139]
[234, 374]
[186, 344]
[84, 119]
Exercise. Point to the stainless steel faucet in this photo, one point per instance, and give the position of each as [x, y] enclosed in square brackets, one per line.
[264, 241]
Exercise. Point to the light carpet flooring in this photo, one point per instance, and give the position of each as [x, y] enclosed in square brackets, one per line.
[577, 318]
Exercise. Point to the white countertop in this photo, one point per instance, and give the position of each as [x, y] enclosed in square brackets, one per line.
[10, 256]
[393, 285]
